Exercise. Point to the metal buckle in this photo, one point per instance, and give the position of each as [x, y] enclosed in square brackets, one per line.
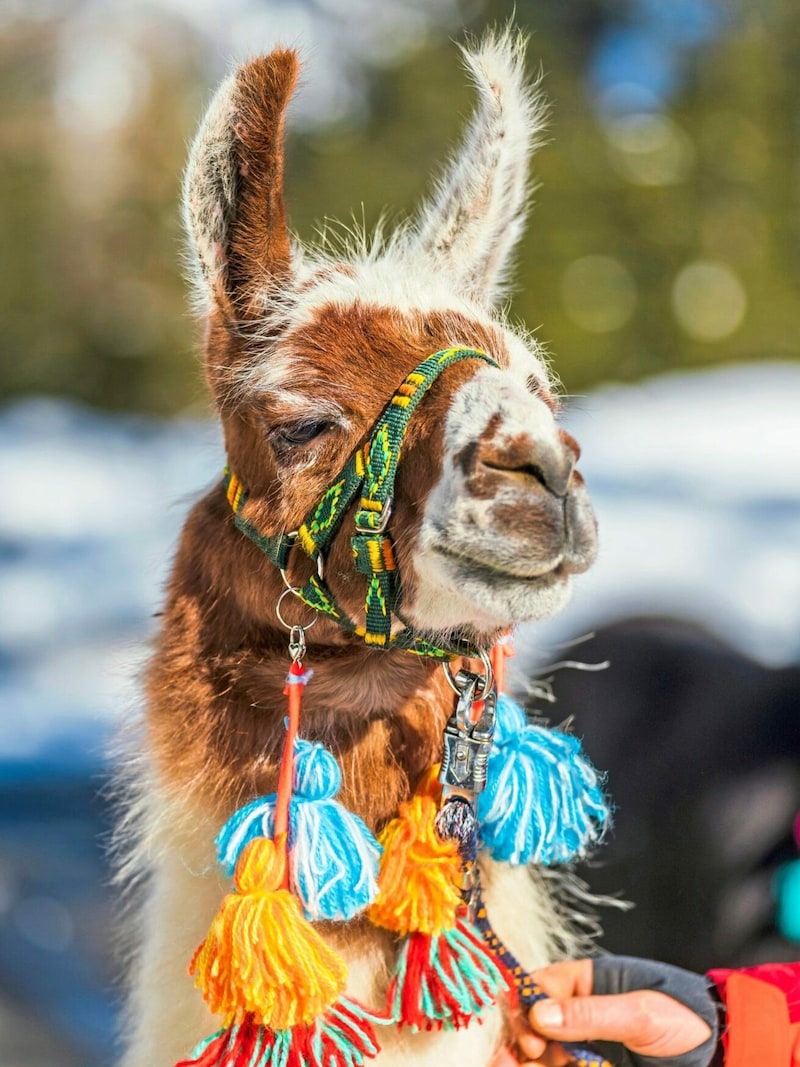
[457, 684]
[386, 514]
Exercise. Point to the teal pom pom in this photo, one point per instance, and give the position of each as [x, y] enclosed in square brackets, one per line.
[333, 856]
[787, 891]
[543, 801]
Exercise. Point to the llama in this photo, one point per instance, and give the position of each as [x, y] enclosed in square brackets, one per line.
[490, 519]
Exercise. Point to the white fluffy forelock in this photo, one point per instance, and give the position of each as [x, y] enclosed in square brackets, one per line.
[382, 283]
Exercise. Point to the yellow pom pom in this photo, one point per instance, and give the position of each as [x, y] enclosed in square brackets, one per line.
[261, 955]
[419, 875]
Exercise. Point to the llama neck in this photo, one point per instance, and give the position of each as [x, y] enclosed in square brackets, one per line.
[216, 686]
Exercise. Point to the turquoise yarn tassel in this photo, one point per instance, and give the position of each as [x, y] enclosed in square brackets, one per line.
[543, 801]
[786, 887]
[333, 856]
[444, 981]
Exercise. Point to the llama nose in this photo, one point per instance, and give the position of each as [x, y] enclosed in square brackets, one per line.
[550, 462]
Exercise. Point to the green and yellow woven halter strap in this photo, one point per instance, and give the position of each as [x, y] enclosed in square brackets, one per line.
[370, 471]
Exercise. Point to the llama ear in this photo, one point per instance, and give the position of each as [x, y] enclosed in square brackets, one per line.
[233, 189]
[476, 217]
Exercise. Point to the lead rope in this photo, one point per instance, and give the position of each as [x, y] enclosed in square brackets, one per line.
[468, 740]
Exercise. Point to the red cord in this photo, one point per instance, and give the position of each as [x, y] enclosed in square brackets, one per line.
[294, 692]
[498, 656]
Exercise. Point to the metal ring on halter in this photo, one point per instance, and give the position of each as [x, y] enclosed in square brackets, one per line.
[281, 620]
[488, 680]
[320, 573]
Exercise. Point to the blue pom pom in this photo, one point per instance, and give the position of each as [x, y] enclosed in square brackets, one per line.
[256, 819]
[316, 772]
[333, 856]
[543, 801]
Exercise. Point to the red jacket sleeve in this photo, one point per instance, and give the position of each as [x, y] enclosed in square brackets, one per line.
[763, 1014]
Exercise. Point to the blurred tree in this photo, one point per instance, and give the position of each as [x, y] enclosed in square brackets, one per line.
[665, 234]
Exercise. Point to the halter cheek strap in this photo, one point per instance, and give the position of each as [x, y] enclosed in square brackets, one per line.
[371, 472]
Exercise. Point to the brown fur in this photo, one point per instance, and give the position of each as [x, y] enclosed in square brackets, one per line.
[215, 686]
[216, 683]
[258, 254]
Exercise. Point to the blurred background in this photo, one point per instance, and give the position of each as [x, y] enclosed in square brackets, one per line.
[662, 268]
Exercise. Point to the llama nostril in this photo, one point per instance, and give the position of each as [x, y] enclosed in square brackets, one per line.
[533, 470]
[553, 472]
[556, 475]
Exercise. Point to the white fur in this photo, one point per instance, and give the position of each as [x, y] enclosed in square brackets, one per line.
[209, 189]
[476, 217]
[463, 524]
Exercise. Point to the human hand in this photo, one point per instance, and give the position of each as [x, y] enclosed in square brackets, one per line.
[662, 1015]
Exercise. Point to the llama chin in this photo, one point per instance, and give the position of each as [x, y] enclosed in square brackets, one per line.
[493, 600]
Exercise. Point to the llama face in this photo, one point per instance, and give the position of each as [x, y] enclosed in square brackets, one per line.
[508, 522]
[305, 348]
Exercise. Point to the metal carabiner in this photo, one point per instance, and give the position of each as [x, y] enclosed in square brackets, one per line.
[467, 743]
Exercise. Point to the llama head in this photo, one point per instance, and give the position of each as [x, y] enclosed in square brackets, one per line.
[305, 347]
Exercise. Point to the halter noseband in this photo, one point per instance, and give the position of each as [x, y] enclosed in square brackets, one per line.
[370, 471]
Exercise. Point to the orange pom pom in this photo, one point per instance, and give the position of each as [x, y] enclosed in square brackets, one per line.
[420, 873]
[261, 955]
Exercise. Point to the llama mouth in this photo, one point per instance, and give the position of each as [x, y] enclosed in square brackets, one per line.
[491, 572]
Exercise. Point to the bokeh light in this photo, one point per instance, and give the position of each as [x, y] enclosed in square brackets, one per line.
[649, 149]
[709, 300]
[599, 293]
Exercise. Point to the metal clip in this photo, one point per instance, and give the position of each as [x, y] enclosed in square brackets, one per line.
[297, 643]
[467, 744]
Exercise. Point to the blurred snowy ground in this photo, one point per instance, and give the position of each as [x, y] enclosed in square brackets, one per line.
[696, 483]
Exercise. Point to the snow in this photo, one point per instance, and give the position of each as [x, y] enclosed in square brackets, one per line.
[695, 481]
[696, 485]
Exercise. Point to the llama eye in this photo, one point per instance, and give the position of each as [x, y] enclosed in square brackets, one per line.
[300, 434]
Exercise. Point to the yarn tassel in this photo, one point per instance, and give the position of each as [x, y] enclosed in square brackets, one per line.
[263, 967]
[445, 977]
[543, 801]
[343, 1037]
[334, 857]
[261, 956]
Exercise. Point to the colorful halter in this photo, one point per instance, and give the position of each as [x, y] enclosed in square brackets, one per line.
[370, 471]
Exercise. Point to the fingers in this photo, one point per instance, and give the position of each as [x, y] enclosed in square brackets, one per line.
[550, 1054]
[644, 1021]
[569, 978]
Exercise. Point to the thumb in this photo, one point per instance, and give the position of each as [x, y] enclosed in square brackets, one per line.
[644, 1021]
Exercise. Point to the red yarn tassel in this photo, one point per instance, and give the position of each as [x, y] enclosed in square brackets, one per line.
[445, 980]
[343, 1037]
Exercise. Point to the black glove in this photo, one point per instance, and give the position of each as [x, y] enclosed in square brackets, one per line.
[625, 974]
